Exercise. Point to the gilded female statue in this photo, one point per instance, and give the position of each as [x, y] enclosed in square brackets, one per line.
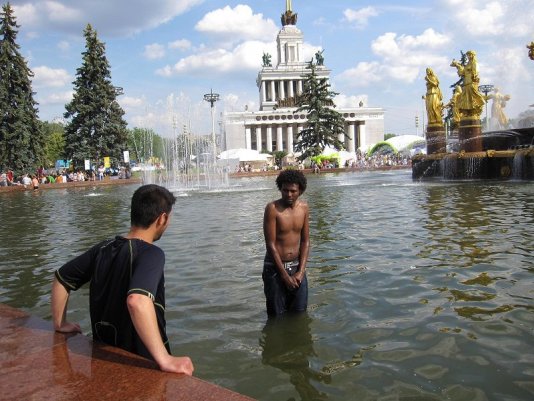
[497, 108]
[433, 99]
[453, 104]
[471, 101]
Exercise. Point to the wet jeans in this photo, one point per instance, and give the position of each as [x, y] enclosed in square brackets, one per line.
[278, 297]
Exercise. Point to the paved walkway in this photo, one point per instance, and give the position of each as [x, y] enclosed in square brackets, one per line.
[40, 364]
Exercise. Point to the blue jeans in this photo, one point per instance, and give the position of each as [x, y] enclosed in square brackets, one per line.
[279, 298]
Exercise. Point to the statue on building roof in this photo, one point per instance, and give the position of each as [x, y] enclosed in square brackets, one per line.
[319, 59]
[266, 60]
[289, 18]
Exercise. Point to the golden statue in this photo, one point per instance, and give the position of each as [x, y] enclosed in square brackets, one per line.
[453, 105]
[497, 113]
[530, 48]
[433, 99]
[471, 101]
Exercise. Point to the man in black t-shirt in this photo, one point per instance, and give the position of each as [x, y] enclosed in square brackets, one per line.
[127, 290]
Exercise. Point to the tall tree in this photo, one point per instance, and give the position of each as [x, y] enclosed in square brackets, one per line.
[96, 128]
[21, 136]
[325, 124]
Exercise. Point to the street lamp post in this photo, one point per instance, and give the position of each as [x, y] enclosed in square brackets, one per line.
[212, 98]
[486, 89]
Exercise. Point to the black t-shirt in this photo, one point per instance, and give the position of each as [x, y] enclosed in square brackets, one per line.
[117, 268]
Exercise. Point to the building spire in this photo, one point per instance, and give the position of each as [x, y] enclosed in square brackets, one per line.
[289, 18]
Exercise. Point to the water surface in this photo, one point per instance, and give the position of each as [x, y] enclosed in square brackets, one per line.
[418, 291]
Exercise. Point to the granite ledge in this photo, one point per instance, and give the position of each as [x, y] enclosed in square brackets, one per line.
[40, 364]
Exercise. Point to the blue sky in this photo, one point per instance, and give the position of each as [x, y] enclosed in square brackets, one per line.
[167, 54]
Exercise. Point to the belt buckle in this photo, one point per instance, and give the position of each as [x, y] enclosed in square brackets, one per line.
[289, 265]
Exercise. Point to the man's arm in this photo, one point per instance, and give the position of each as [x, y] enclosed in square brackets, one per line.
[144, 319]
[60, 297]
[269, 231]
[304, 245]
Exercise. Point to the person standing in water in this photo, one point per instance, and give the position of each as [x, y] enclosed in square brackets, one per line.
[287, 239]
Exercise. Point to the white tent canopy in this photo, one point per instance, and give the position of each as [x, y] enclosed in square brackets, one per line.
[244, 155]
[343, 154]
[403, 143]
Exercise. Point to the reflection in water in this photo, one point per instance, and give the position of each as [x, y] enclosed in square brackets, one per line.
[287, 344]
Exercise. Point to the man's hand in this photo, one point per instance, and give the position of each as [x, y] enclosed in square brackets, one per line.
[144, 319]
[177, 364]
[290, 282]
[299, 276]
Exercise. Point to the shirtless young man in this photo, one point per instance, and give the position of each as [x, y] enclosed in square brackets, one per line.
[287, 239]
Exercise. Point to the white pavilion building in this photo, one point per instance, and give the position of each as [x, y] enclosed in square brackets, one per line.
[275, 126]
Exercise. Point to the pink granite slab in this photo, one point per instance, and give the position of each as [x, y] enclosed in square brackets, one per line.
[39, 364]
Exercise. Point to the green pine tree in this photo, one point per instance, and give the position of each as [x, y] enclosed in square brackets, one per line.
[324, 123]
[21, 135]
[96, 128]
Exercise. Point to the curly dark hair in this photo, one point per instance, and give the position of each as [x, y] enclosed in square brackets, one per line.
[292, 177]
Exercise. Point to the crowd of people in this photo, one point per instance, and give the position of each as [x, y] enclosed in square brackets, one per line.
[364, 161]
[44, 176]
[361, 161]
[378, 160]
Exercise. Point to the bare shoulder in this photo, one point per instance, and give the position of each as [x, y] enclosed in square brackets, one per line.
[270, 206]
[303, 204]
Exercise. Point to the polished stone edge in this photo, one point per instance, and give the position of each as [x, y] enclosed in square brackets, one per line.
[41, 364]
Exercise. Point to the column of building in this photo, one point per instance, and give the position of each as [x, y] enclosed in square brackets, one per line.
[353, 138]
[277, 89]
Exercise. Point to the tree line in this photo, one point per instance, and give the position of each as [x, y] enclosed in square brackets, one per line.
[95, 126]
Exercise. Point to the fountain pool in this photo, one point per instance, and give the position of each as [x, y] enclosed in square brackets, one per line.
[418, 290]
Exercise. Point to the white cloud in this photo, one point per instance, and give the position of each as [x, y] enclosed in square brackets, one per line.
[58, 98]
[154, 51]
[344, 101]
[390, 45]
[364, 74]
[26, 14]
[63, 45]
[181, 44]
[50, 77]
[402, 57]
[238, 23]
[479, 18]
[58, 12]
[360, 17]
[115, 18]
[245, 56]
[131, 102]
